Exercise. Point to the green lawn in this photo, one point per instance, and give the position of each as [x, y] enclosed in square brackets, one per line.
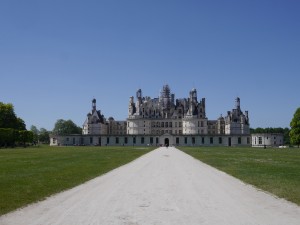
[31, 174]
[274, 170]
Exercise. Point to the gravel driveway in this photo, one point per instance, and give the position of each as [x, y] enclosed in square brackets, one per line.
[165, 186]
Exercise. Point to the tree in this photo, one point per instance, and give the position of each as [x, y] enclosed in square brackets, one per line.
[35, 133]
[25, 136]
[44, 136]
[8, 118]
[64, 127]
[295, 128]
[10, 127]
[286, 136]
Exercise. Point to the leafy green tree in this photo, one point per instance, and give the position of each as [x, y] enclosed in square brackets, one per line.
[44, 136]
[286, 136]
[295, 128]
[25, 136]
[8, 137]
[8, 118]
[35, 133]
[64, 127]
[10, 125]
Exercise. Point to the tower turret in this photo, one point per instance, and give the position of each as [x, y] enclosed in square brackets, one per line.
[165, 97]
[139, 94]
[94, 105]
[237, 104]
[193, 95]
[131, 108]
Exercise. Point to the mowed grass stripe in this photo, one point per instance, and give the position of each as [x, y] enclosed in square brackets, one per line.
[274, 170]
[32, 174]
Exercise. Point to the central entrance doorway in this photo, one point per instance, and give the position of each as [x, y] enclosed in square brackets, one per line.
[167, 142]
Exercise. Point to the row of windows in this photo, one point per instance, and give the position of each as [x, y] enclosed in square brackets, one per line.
[211, 140]
[170, 124]
[166, 124]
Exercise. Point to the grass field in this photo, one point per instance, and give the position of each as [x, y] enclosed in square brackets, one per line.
[31, 174]
[274, 170]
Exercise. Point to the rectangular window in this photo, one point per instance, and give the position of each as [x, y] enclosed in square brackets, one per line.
[220, 140]
[162, 124]
[167, 124]
[107, 140]
[117, 140]
[260, 140]
[180, 124]
[211, 140]
[126, 140]
[156, 140]
[203, 140]
[177, 140]
[170, 124]
[67, 139]
[248, 140]
[239, 140]
[91, 140]
[142, 140]
[151, 140]
[185, 140]
[201, 123]
[73, 141]
[134, 140]
[175, 124]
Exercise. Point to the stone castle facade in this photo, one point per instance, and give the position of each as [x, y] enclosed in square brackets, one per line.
[164, 120]
[185, 116]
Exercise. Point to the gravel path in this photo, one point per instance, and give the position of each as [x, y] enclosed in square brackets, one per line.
[165, 186]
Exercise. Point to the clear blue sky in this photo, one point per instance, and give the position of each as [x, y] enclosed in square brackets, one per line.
[56, 55]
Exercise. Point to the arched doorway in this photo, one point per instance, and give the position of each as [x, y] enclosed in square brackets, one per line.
[167, 142]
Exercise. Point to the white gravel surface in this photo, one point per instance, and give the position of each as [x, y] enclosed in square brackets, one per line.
[165, 186]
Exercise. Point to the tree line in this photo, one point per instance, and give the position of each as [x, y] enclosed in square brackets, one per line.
[61, 127]
[12, 128]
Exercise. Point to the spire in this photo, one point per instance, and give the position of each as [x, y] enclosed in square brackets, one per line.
[165, 97]
[94, 105]
[139, 94]
[237, 103]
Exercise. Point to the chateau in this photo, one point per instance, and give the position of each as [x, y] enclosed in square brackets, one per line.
[163, 121]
